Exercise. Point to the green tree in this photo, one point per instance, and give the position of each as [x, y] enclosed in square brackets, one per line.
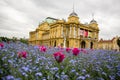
[14, 39]
[118, 42]
[23, 40]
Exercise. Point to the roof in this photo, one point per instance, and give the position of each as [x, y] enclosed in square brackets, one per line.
[101, 40]
[51, 18]
[93, 21]
[73, 14]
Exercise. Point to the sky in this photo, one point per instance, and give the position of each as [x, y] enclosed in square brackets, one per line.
[19, 17]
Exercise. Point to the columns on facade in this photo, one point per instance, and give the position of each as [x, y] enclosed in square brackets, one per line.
[51, 33]
[61, 31]
[36, 37]
[70, 32]
[74, 32]
[64, 41]
[78, 34]
[56, 32]
[63, 36]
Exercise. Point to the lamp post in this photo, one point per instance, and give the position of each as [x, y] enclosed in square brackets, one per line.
[65, 34]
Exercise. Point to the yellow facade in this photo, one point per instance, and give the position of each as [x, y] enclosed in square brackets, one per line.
[70, 33]
[109, 44]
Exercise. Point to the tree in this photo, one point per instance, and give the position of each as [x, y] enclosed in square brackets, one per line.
[23, 40]
[14, 39]
[118, 42]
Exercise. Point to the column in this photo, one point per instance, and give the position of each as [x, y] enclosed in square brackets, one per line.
[70, 31]
[78, 33]
[36, 35]
[62, 31]
[64, 41]
[74, 32]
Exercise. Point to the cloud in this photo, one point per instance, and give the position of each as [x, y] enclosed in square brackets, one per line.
[19, 17]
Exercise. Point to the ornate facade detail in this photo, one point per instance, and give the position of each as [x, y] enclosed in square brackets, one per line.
[70, 33]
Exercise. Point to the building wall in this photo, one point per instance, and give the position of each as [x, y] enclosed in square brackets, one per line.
[70, 33]
[109, 44]
[63, 33]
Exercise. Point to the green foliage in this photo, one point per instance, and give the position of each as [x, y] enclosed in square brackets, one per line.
[24, 41]
[14, 39]
[5, 39]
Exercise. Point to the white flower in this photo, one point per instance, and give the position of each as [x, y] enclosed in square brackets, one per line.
[38, 74]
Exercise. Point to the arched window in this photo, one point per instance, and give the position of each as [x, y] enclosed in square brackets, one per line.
[55, 43]
[91, 45]
[83, 44]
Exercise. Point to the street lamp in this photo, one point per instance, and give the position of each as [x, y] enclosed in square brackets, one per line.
[65, 35]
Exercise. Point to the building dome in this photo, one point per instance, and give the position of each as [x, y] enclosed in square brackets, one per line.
[93, 24]
[73, 14]
[93, 21]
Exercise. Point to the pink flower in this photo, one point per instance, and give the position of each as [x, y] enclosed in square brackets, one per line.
[75, 51]
[59, 56]
[22, 54]
[68, 49]
[1, 45]
[92, 49]
[84, 51]
[59, 46]
[50, 47]
[62, 48]
[43, 49]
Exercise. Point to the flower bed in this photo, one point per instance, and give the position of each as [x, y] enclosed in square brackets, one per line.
[19, 61]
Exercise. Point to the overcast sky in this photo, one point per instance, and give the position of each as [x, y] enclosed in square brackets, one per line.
[19, 17]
